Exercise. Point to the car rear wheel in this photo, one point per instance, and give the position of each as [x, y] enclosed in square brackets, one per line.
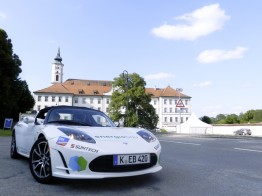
[13, 151]
[40, 161]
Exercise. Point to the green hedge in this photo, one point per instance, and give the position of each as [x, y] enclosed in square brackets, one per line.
[6, 132]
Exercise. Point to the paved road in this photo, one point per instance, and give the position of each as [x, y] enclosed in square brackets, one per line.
[191, 166]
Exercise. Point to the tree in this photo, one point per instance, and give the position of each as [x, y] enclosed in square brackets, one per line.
[257, 116]
[232, 119]
[15, 96]
[206, 119]
[247, 117]
[131, 92]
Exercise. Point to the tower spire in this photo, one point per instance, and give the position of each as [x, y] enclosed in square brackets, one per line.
[58, 58]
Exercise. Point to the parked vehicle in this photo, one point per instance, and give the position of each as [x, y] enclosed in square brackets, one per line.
[243, 131]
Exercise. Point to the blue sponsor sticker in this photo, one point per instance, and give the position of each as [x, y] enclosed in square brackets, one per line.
[62, 141]
[115, 159]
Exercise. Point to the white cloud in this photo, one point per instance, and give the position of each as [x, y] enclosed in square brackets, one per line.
[2, 16]
[212, 56]
[203, 84]
[158, 76]
[199, 23]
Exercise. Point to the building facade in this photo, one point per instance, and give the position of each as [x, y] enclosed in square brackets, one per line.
[171, 106]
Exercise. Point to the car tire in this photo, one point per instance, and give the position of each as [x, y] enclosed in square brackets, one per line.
[13, 150]
[40, 161]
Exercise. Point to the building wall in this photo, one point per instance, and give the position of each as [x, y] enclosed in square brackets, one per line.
[165, 106]
[45, 100]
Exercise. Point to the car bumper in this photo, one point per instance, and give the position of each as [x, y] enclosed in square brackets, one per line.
[75, 160]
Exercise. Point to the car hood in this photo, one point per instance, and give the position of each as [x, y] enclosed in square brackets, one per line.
[123, 140]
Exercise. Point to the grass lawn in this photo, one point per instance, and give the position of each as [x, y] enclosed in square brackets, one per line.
[6, 132]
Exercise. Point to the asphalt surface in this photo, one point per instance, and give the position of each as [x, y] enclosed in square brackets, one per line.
[192, 165]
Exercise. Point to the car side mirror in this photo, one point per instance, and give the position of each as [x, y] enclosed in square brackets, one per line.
[28, 119]
[117, 124]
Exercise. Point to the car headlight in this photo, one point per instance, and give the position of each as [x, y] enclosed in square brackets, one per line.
[146, 135]
[77, 135]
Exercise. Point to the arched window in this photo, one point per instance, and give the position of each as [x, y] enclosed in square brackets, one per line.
[57, 77]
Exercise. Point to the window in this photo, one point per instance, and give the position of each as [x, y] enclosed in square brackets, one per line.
[66, 99]
[154, 102]
[107, 110]
[186, 118]
[53, 98]
[99, 101]
[184, 110]
[181, 119]
[56, 77]
[170, 101]
[39, 98]
[164, 101]
[99, 108]
[46, 98]
[84, 100]
[76, 100]
[107, 101]
[59, 99]
[175, 101]
[171, 119]
[165, 110]
[91, 100]
[165, 119]
[170, 110]
[186, 102]
[176, 119]
[38, 107]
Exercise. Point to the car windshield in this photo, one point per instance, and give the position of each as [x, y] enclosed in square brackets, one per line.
[79, 116]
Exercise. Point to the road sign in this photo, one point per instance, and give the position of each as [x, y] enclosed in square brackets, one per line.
[8, 123]
[180, 104]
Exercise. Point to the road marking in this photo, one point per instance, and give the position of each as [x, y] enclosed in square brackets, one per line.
[180, 142]
[250, 150]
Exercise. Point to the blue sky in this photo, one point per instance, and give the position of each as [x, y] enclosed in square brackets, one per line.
[211, 49]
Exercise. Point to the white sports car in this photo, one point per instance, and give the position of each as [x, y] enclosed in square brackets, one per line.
[80, 143]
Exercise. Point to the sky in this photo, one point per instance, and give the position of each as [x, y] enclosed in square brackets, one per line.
[210, 49]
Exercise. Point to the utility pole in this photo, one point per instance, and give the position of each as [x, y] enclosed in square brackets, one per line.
[125, 76]
[179, 90]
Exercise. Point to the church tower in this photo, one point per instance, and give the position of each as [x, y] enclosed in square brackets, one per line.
[57, 69]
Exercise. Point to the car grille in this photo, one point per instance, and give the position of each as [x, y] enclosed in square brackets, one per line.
[105, 164]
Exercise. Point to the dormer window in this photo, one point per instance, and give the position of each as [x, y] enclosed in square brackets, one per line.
[81, 91]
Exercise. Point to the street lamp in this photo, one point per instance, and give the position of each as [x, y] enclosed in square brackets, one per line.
[125, 76]
[179, 90]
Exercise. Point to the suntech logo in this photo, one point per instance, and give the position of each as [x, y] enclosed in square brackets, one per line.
[79, 147]
[77, 163]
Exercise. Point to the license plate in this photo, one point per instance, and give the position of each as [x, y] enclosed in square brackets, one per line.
[133, 159]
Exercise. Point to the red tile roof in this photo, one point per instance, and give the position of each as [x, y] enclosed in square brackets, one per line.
[165, 92]
[99, 87]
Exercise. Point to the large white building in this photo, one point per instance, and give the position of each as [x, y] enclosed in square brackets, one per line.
[171, 106]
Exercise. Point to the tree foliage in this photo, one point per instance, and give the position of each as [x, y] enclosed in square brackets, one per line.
[131, 91]
[206, 119]
[251, 116]
[15, 96]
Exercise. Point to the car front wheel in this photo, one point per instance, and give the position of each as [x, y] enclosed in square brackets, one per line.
[40, 161]
[13, 151]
